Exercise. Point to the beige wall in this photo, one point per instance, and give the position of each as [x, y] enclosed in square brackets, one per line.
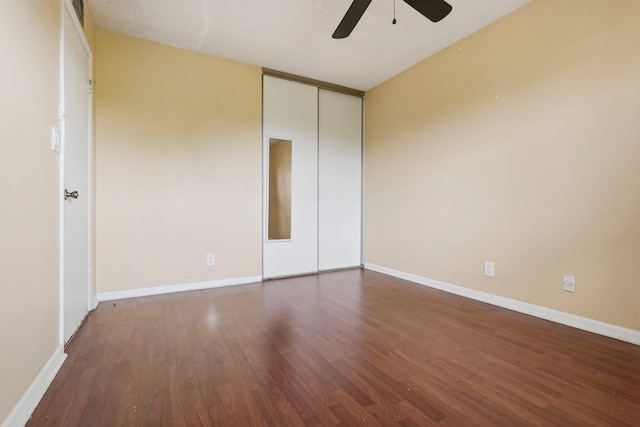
[178, 165]
[519, 145]
[89, 26]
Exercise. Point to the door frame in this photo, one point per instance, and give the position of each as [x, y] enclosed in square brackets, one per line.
[66, 8]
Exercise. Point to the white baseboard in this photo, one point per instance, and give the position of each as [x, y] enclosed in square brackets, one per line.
[94, 302]
[25, 407]
[590, 325]
[170, 289]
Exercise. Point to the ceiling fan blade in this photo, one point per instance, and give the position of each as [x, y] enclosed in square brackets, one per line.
[434, 10]
[351, 18]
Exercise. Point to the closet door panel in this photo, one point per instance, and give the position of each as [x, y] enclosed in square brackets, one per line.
[290, 114]
[340, 180]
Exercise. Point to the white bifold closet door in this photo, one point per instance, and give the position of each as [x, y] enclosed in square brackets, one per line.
[312, 153]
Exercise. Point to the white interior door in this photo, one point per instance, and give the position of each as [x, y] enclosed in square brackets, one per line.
[340, 180]
[290, 114]
[76, 178]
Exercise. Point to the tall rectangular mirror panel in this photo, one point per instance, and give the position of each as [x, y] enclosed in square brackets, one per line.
[279, 189]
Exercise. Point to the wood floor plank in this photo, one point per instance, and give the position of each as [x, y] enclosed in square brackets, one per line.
[337, 349]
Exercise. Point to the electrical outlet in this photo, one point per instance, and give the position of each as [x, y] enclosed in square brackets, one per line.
[488, 269]
[568, 283]
[211, 259]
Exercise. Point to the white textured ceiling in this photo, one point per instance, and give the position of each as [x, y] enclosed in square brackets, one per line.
[294, 36]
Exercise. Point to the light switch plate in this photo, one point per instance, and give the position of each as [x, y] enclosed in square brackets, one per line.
[55, 138]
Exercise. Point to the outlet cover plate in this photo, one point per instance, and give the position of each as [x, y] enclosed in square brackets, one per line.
[568, 283]
[489, 269]
[211, 259]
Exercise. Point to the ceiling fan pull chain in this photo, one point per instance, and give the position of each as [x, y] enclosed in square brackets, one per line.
[394, 13]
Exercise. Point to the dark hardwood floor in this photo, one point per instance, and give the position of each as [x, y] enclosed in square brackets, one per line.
[348, 348]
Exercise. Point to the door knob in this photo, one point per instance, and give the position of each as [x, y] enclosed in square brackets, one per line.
[73, 194]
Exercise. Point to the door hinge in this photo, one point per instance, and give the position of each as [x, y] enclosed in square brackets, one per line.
[90, 270]
[91, 83]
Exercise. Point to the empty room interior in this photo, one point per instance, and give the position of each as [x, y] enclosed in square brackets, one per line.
[302, 213]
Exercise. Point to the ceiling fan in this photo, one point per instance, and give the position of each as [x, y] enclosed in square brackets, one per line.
[434, 10]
